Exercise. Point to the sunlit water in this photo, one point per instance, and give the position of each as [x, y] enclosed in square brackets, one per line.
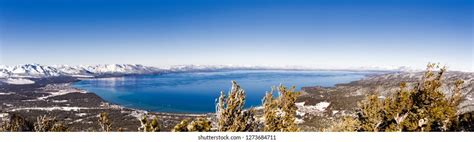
[196, 92]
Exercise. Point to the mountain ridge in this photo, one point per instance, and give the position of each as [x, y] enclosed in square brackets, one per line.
[41, 71]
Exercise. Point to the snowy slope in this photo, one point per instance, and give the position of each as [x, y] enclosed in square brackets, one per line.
[40, 71]
[28, 70]
[17, 81]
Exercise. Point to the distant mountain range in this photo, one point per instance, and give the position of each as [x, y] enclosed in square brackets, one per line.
[40, 71]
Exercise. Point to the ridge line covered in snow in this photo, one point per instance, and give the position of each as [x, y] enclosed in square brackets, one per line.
[83, 71]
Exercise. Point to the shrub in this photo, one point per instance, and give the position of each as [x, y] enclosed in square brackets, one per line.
[423, 108]
[198, 125]
[104, 122]
[230, 112]
[16, 123]
[181, 126]
[280, 113]
[48, 124]
[149, 126]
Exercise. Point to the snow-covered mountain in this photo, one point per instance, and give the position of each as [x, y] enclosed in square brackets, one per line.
[40, 71]
[28, 70]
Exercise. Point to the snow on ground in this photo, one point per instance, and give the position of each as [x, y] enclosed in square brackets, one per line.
[58, 90]
[54, 108]
[78, 120]
[58, 93]
[9, 93]
[302, 109]
[322, 106]
[137, 114]
[8, 105]
[3, 116]
[258, 108]
[59, 101]
[81, 114]
[82, 76]
[299, 121]
[469, 98]
[17, 81]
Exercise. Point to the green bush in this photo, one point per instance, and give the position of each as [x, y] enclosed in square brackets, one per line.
[104, 122]
[48, 124]
[280, 113]
[423, 108]
[198, 125]
[149, 126]
[230, 112]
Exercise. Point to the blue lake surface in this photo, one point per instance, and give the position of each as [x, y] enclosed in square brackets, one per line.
[195, 92]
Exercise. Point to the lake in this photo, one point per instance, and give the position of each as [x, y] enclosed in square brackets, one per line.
[195, 92]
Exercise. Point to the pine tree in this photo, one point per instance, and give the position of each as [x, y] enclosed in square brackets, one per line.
[288, 107]
[280, 113]
[48, 124]
[181, 126]
[272, 122]
[149, 126]
[346, 124]
[423, 108]
[198, 125]
[230, 112]
[16, 123]
[370, 114]
[59, 127]
[104, 122]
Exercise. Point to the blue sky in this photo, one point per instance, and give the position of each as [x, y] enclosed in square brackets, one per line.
[334, 33]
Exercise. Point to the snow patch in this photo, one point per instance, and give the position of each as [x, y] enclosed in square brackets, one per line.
[469, 98]
[17, 81]
[81, 114]
[82, 76]
[138, 114]
[8, 105]
[53, 108]
[9, 93]
[3, 115]
[299, 121]
[311, 109]
[322, 106]
[61, 92]
[59, 101]
[78, 120]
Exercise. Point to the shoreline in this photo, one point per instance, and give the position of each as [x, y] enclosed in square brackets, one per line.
[77, 108]
[317, 106]
[365, 75]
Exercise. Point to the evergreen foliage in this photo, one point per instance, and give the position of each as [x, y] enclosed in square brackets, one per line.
[181, 126]
[48, 124]
[423, 108]
[104, 122]
[280, 113]
[16, 123]
[230, 112]
[149, 126]
[198, 125]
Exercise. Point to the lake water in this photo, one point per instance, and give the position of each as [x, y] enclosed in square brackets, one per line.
[196, 92]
